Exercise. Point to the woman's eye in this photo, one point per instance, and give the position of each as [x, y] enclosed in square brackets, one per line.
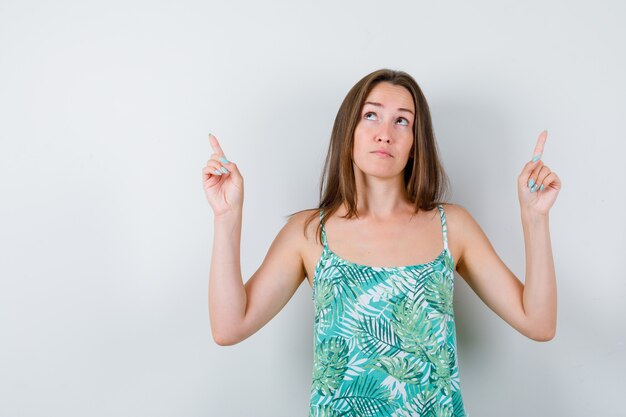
[405, 121]
[366, 115]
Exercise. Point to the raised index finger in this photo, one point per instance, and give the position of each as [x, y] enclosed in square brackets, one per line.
[540, 142]
[215, 145]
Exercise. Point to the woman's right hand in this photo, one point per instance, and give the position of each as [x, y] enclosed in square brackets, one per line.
[224, 191]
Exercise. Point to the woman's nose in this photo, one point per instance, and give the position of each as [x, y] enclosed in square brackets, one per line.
[384, 132]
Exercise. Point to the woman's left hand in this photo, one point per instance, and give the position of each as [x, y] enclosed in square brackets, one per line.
[537, 185]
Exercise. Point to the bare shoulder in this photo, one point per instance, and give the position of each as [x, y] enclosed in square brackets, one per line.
[460, 224]
[299, 231]
[470, 237]
[456, 213]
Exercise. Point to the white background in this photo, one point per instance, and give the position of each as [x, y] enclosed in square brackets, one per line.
[106, 236]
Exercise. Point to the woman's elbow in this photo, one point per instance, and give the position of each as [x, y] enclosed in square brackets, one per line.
[543, 336]
[224, 341]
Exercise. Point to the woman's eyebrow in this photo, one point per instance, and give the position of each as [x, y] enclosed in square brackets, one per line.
[380, 105]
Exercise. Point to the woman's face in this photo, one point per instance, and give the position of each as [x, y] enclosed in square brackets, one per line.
[386, 122]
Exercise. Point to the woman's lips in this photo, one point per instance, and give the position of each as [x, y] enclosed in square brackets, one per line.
[381, 154]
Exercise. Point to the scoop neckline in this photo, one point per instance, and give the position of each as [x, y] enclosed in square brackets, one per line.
[387, 268]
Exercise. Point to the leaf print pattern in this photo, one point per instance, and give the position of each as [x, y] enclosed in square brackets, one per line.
[331, 359]
[385, 338]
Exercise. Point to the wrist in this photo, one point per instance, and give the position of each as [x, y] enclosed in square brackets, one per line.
[227, 216]
[534, 218]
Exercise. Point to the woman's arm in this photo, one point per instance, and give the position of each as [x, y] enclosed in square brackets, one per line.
[237, 311]
[227, 295]
[540, 288]
[529, 308]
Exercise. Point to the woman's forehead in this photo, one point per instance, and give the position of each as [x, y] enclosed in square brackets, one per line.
[392, 95]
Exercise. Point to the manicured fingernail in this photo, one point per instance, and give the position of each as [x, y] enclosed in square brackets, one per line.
[531, 182]
[541, 188]
[223, 160]
[217, 172]
[224, 170]
[536, 158]
[533, 188]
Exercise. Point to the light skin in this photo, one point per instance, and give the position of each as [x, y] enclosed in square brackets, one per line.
[238, 310]
[379, 180]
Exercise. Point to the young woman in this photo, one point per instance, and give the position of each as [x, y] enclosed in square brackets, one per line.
[380, 253]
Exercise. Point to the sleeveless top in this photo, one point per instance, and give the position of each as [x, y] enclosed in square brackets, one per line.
[385, 338]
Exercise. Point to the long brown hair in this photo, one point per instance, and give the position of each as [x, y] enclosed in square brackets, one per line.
[424, 177]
